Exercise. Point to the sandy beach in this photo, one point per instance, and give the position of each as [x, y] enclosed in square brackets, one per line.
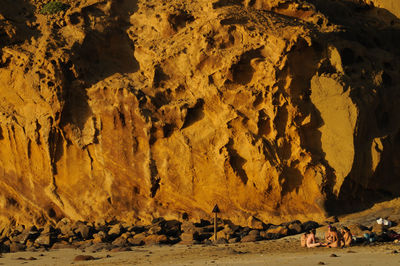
[284, 251]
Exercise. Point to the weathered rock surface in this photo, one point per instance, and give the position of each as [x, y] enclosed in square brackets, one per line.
[130, 110]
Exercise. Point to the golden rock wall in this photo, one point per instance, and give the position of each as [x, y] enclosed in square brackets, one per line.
[133, 110]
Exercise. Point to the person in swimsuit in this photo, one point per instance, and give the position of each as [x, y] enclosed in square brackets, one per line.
[334, 238]
[347, 237]
[328, 235]
[340, 237]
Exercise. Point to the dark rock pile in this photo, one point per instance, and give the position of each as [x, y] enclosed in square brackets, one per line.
[116, 236]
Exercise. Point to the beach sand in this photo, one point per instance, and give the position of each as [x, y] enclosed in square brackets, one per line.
[285, 251]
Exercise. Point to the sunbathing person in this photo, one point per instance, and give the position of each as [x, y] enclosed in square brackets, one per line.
[347, 237]
[328, 235]
[334, 239]
[303, 240]
[311, 243]
[340, 237]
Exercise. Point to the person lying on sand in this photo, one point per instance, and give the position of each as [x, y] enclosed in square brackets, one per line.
[311, 243]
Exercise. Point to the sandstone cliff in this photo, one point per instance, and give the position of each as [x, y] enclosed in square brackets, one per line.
[137, 109]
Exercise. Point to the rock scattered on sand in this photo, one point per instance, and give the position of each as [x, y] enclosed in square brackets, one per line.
[121, 249]
[84, 258]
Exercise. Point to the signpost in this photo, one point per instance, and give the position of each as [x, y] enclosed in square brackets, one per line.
[215, 211]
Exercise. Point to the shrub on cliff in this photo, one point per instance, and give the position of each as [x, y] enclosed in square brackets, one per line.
[53, 7]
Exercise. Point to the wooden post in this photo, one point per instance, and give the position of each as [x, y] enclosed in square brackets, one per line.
[215, 227]
[215, 211]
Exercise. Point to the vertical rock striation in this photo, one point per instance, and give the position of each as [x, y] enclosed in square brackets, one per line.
[132, 110]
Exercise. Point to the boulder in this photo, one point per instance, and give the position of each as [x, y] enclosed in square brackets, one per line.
[62, 245]
[243, 231]
[66, 227]
[20, 238]
[263, 234]
[221, 234]
[254, 232]
[127, 235]
[227, 231]
[137, 229]
[29, 243]
[115, 230]
[84, 258]
[256, 223]
[120, 242]
[100, 225]
[83, 244]
[269, 236]
[16, 247]
[280, 230]
[233, 240]
[251, 238]
[44, 239]
[202, 223]
[63, 222]
[49, 229]
[5, 246]
[332, 220]
[295, 227]
[101, 236]
[155, 239]
[155, 229]
[309, 225]
[135, 241]
[141, 235]
[172, 228]
[357, 229]
[158, 221]
[221, 240]
[209, 229]
[231, 225]
[84, 231]
[201, 236]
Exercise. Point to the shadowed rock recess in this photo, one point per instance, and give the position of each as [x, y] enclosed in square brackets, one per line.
[133, 110]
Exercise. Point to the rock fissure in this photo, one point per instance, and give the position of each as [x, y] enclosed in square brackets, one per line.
[284, 109]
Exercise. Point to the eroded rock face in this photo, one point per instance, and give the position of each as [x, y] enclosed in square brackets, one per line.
[133, 110]
[392, 6]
